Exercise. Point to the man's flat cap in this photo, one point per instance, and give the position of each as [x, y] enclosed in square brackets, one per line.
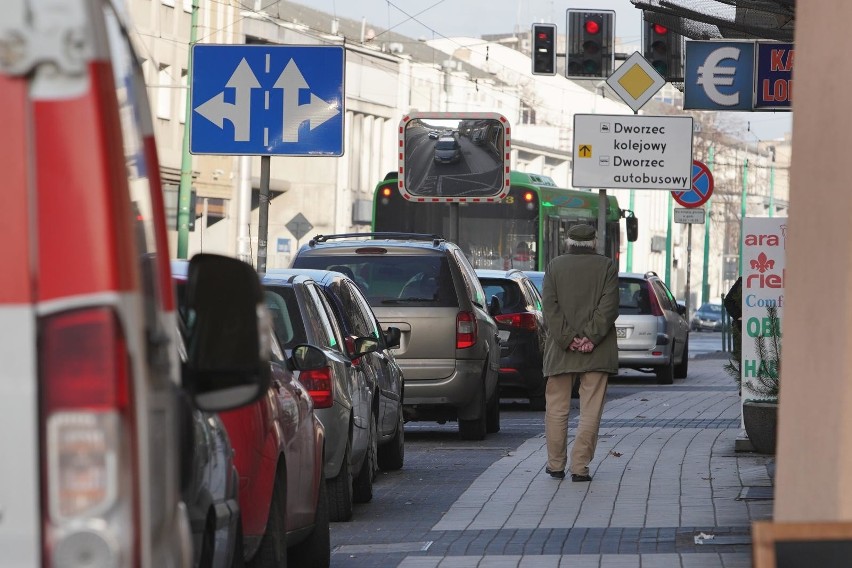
[582, 233]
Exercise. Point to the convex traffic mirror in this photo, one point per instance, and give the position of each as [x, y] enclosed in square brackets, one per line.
[454, 157]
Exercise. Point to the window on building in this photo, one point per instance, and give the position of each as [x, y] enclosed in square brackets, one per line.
[527, 114]
[169, 3]
[184, 77]
[164, 93]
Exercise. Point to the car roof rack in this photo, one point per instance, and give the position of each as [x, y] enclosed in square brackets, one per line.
[436, 239]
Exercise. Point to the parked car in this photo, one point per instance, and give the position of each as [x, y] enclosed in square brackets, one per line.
[344, 394]
[209, 484]
[708, 316]
[522, 331]
[653, 334]
[356, 319]
[447, 150]
[278, 447]
[425, 286]
[537, 278]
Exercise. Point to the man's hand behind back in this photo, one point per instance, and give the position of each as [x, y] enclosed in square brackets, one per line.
[581, 344]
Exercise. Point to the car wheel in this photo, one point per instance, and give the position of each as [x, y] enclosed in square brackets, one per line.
[475, 429]
[492, 413]
[682, 368]
[273, 545]
[537, 402]
[392, 454]
[340, 490]
[315, 551]
[665, 373]
[362, 485]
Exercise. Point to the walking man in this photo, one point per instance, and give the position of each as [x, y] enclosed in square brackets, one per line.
[580, 304]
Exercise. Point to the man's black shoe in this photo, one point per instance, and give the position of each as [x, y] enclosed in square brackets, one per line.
[578, 477]
[555, 474]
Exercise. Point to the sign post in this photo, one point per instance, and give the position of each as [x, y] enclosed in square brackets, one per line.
[692, 200]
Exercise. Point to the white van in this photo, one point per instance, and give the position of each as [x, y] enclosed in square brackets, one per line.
[89, 373]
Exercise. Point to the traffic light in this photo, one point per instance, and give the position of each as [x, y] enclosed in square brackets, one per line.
[591, 38]
[663, 48]
[544, 49]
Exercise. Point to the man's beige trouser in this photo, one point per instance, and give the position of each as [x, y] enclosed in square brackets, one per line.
[558, 400]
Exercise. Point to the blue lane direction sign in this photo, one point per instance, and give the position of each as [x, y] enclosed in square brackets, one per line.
[702, 187]
[263, 100]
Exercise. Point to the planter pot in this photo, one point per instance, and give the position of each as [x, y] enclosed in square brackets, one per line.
[761, 425]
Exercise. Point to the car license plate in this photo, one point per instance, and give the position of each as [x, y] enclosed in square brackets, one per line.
[621, 332]
[504, 335]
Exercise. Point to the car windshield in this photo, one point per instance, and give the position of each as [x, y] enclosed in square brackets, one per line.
[633, 298]
[394, 280]
[711, 309]
[445, 145]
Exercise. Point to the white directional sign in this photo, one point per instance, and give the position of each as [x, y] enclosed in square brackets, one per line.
[267, 100]
[691, 216]
[632, 152]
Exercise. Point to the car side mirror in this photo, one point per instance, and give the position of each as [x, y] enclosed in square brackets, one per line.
[392, 337]
[228, 349]
[305, 357]
[631, 224]
[494, 307]
[681, 309]
[364, 345]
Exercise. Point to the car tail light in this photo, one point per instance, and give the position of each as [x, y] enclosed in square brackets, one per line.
[319, 385]
[465, 330]
[88, 449]
[656, 309]
[350, 348]
[524, 320]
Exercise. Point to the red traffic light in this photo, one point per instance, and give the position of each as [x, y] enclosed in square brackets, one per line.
[660, 30]
[592, 27]
[543, 35]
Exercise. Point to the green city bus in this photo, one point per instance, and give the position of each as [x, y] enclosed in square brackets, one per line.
[525, 231]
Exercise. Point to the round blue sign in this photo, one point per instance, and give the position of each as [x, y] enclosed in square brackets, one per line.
[702, 187]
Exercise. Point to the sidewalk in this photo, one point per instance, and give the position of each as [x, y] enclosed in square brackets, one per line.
[668, 491]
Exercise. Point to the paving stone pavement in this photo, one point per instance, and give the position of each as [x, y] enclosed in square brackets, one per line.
[668, 490]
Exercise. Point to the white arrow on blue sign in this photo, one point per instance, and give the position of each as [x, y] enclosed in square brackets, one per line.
[263, 100]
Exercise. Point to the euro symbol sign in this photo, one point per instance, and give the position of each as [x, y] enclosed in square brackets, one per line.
[711, 75]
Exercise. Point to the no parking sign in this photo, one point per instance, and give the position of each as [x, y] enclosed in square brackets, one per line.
[702, 187]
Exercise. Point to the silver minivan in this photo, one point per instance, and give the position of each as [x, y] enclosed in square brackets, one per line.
[425, 286]
[653, 333]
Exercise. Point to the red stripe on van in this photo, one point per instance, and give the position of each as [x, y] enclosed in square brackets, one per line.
[84, 219]
[167, 290]
[14, 230]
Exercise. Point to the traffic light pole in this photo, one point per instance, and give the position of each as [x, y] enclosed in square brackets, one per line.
[602, 207]
[185, 188]
[705, 276]
[263, 214]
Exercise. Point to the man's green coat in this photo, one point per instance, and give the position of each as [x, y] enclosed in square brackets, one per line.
[580, 299]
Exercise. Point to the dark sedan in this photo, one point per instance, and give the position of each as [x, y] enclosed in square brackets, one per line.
[707, 317]
[517, 310]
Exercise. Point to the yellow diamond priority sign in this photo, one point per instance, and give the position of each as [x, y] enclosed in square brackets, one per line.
[636, 81]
